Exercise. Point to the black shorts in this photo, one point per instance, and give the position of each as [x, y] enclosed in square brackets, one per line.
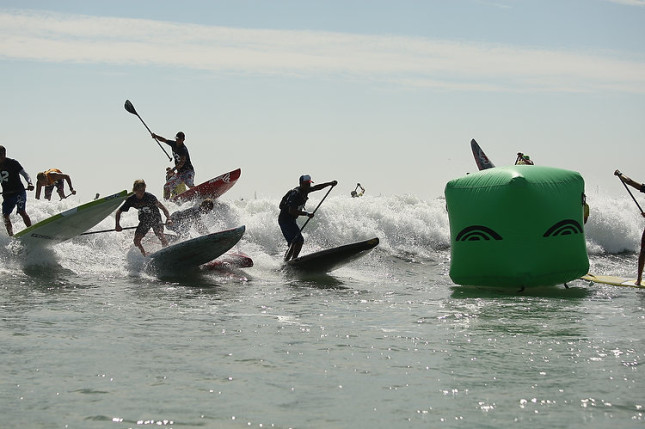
[146, 223]
[59, 185]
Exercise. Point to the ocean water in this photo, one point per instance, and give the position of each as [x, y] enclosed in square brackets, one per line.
[91, 340]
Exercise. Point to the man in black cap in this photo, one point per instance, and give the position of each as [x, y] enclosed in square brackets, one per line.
[292, 206]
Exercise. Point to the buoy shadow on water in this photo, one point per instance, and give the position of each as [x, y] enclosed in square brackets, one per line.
[558, 291]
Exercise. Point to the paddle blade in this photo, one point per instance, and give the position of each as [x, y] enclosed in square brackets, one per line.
[129, 107]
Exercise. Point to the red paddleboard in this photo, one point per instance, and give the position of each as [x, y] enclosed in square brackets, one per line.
[210, 189]
[229, 261]
[481, 159]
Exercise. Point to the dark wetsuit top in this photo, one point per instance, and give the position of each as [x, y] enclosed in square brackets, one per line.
[178, 153]
[294, 198]
[10, 177]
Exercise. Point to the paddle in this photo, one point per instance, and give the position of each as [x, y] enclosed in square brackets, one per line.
[308, 219]
[618, 174]
[519, 157]
[168, 236]
[107, 230]
[130, 108]
[316, 209]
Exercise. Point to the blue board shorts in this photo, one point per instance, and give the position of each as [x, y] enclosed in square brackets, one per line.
[10, 202]
[291, 232]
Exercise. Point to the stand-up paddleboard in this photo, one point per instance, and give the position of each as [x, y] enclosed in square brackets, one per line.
[328, 260]
[70, 223]
[229, 261]
[612, 280]
[481, 159]
[192, 253]
[210, 189]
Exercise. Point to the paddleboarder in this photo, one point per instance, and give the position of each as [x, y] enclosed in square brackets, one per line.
[50, 179]
[13, 191]
[149, 216]
[292, 206]
[523, 159]
[641, 187]
[358, 194]
[182, 220]
[183, 169]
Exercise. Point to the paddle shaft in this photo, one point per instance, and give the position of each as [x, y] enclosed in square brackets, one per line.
[130, 108]
[316, 209]
[519, 157]
[106, 230]
[631, 195]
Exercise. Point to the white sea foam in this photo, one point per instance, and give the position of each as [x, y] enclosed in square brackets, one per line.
[409, 228]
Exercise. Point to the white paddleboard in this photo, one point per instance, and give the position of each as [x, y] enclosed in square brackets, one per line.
[612, 280]
[70, 223]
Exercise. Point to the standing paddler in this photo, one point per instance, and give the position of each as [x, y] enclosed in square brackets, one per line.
[184, 172]
[292, 206]
[13, 191]
[641, 187]
[149, 216]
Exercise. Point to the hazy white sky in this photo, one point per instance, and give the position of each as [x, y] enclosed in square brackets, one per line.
[385, 93]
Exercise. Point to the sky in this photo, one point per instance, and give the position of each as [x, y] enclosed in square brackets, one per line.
[383, 93]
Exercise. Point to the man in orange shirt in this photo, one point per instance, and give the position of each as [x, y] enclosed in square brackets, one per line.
[50, 179]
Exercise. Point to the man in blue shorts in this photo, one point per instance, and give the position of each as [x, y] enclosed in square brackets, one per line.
[149, 216]
[183, 169]
[641, 258]
[13, 191]
[292, 206]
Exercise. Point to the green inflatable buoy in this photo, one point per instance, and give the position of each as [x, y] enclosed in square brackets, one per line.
[517, 226]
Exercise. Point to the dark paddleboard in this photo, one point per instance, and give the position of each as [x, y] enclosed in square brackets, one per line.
[195, 252]
[328, 260]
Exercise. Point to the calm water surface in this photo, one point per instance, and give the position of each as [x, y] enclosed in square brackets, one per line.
[388, 344]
